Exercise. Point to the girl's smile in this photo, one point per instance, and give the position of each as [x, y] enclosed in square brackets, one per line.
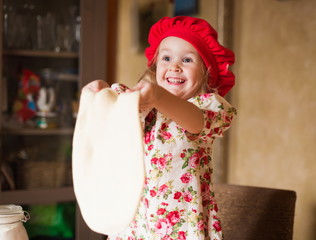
[175, 80]
[179, 68]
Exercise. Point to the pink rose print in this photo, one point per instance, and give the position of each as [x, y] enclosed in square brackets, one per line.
[208, 124]
[228, 119]
[194, 160]
[163, 126]
[153, 193]
[161, 211]
[217, 226]
[205, 187]
[205, 96]
[215, 208]
[173, 217]
[146, 202]
[210, 114]
[205, 160]
[177, 195]
[163, 189]
[200, 225]
[146, 180]
[154, 160]
[161, 163]
[166, 135]
[187, 196]
[217, 130]
[167, 238]
[206, 192]
[163, 227]
[149, 136]
[163, 133]
[207, 176]
[181, 235]
[186, 177]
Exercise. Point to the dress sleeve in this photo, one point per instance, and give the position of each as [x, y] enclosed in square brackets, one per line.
[121, 88]
[218, 114]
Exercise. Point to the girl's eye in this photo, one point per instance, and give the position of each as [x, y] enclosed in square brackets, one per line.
[186, 60]
[166, 58]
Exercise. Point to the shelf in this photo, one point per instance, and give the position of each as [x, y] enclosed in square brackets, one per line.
[38, 196]
[36, 131]
[67, 77]
[36, 53]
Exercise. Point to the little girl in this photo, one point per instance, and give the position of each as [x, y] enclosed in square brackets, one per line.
[182, 112]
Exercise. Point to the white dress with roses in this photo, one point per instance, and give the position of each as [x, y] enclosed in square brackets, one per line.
[178, 201]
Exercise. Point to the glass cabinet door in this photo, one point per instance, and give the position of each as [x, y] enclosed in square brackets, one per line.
[39, 102]
[42, 47]
[39, 91]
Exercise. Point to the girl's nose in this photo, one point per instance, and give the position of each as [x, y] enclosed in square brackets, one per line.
[175, 68]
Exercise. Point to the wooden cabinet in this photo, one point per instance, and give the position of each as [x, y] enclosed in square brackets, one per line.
[44, 64]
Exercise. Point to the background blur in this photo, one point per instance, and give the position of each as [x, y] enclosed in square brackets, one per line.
[273, 140]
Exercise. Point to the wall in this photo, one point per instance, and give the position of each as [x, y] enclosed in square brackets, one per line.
[274, 137]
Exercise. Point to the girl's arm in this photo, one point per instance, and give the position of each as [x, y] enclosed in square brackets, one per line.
[184, 113]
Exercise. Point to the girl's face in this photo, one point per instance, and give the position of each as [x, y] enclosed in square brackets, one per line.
[180, 69]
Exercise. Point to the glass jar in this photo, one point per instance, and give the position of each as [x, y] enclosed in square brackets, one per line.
[11, 222]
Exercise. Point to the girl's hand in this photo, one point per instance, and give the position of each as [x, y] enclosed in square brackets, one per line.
[149, 94]
[95, 86]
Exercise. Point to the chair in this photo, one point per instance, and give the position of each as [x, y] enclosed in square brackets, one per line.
[255, 213]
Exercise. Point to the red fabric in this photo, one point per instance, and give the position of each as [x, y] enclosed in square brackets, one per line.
[203, 37]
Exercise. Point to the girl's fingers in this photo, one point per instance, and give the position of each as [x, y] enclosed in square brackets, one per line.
[99, 84]
[96, 86]
[129, 90]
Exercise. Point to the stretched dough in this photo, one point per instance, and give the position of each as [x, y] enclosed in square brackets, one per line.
[108, 167]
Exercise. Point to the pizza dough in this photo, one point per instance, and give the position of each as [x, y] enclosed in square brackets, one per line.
[108, 167]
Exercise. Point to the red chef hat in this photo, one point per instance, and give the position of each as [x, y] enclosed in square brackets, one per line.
[203, 37]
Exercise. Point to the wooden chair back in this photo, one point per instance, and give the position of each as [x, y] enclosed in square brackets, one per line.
[255, 213]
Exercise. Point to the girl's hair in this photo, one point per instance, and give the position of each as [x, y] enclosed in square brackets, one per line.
[150, 75]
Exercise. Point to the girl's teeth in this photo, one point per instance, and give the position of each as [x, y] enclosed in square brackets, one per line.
[175, 80]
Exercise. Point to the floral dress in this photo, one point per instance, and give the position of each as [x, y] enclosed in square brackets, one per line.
[178, 201]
